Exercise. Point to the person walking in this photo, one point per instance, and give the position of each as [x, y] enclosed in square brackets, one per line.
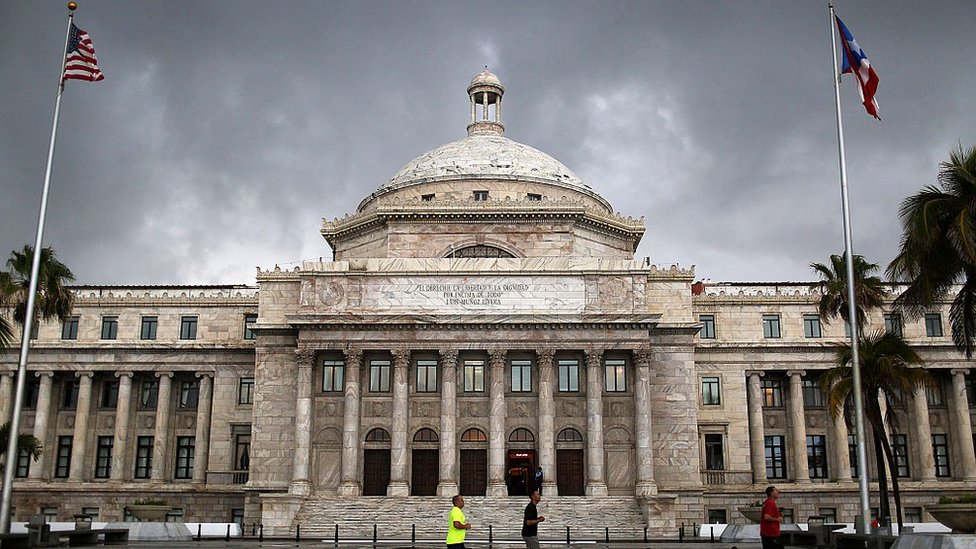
[458, 525]
[770, 520]
[538, 480]
[530, 522]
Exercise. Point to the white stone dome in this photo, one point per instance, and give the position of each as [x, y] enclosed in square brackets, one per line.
[485, 78]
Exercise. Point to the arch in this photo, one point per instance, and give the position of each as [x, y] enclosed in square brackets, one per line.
[474, 435]
[378, 435]
[329, 436]
[617, 435]
[425, 435]
[480, 250]
[569, 435]
[521, 435]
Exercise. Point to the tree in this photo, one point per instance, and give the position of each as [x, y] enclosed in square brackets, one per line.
[889, 371]
[53, 300]
[25, 443]
[869, 291]
[938, 248]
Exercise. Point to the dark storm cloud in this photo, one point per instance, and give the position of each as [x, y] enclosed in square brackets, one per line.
[225, 131]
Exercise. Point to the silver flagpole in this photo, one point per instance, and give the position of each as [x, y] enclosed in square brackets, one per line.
[11, 463]
[862, 464]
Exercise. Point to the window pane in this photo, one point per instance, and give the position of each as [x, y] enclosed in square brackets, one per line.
[185, 448]
[110, 327]
[249, 322]
[103, 457]
[474, 376]
[521, 376]
[245, 394]
[811, 326]
[933, 325]
[775, 457]
[149, 394]
[332, 375]
[144, 452]
[711, 392]
[714, 452]
[568, 376]
[110, 394]
[69, 329]
[708, 326]
[148, 330]
[615, 379]
[188, 327]
[817, 456]
[426, 376]
[893, 323]
[772, 393]
[63, 462]
[379, 376]
[189, 394]
[813, 395]
[770, 325]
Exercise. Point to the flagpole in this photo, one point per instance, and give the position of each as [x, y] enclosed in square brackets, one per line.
[862, 467]
[11, 459]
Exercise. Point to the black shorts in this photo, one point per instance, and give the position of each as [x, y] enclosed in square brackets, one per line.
[455, 546]
[769, 542]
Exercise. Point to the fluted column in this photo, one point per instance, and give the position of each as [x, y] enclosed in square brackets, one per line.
[38, 470]
[923, 435]
[201, 442]
[79, 448]
[121, 444]
[841, 466]
[398, 455]
[447, 484]
[350, 485]
[757, 429]
[642, 423]
[161, 432]
[6, 396]
[547, 414]
[798, 428]
[302, 457]
[596, 483]
[963, 425]
[496, 425]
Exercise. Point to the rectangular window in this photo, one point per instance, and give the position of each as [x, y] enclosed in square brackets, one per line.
[480, 196]
[615, 375]
[775, 457]
[379, 376]
[899, 447]
[893, 323]
[35, 329]
[913, 514]
[829, 514]
[940, 451]
[474, 376]
[144, 455]
[69, 394]
[426, 198]
[245, 391]
[148, 329]
[521, 376]
[426, 376]
[714, 452]
[110, 394]
[149, 394]
[242, 452]
[32, 388]
[772, 393]
[708, 326]
[23, 464]
[175, 515]
[811, 326]
[569, 376]
[770, 324]
[852, 454]
[188, 327]
[817, 456]
[249, 321]
[69, 328]
[50, 514]
[185, 447]
[717, 516]
[813, 395]
[933, 325]
[110, 327]
[63, 462]
[970, 391]
[103, 457]
[189, 394]
[332, 374]
[711, 391]
[92, 512]
[533, 197]
[787, 515]
[933, 393]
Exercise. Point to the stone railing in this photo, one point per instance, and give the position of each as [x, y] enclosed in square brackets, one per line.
[720, 478]
[227, 477]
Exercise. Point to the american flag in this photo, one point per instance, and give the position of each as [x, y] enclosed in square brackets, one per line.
[80, 62]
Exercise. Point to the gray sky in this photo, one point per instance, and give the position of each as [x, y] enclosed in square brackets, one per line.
[225, 131]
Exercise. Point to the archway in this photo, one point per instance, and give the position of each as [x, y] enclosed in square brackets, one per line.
[570, 472]
[376, 462]
[474, 463]
[425, 463]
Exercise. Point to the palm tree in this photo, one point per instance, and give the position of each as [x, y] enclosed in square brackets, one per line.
[888, 371]
[938, 248]
[869, 292]
[25, 443]
[53, 300]
[6, 333]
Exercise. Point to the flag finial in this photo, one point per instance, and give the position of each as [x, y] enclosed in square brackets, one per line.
[72, 6]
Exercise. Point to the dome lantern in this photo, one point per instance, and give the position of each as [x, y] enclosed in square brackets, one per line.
[486, 93]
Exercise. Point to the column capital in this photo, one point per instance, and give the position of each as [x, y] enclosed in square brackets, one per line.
[642, 356]
[204, 375]
[400, 356]
[546, 355]
[448, 356]
[161, 375]
[959, 371]
[797, 373]
[120, 375]
[45, 373]
[353, 356]
[593, 356]
[7, 373]
[87, 374]
[497, 356]
[755, 373]
[305, 357]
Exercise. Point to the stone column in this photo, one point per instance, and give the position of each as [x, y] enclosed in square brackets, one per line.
[547, 414]
[447, 485]
[6, 396]
[757, 429]
[301, 459]
[79, 450]
[398, 455]
[925, 470]
[963, 425]
[596, 483]
[38, 470]
[496, 425]
[798, 428]
[841, 469]
[201, 442]
[121, 444]
[161, 432]
[350, 485]
[642, 424]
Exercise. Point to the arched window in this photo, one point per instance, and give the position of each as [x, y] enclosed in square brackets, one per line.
[521, 435]
[474, 435]
[480, 250]
[425, 435]
[569, 435]
[378, 435]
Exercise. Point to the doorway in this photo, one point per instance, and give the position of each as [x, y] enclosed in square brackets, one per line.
[426, 468]
[520, 472]
[376, 472]
[569, 472]
[474, 472]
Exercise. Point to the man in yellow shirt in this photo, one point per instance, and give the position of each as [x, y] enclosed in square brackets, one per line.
[458, 526]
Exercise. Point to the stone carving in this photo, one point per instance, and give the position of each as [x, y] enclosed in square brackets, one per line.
[613, 292]
[305, 357]
[330, 293]
[423, 409]
[519, 409]
[378, 409]
[475, 409]
[148, 422]
[569, 409]
[331, 409]
[618, 409]
[617, 435]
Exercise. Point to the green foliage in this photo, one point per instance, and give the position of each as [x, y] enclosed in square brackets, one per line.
[32, 445]
[968, 498]
[869, 291]
[150, 501]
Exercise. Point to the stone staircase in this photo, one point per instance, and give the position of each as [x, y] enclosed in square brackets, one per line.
[586, 518]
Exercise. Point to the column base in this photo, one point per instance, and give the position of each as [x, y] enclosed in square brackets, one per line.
[398, 489]
[349, 489]
[549, 488]
[299, 488]
[596, 489]
[449, 488]
[648, 488]
[497, 489]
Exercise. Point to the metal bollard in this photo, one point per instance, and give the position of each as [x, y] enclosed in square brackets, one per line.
[227, 536]
[413, 533]
[567, 536]
[199, 529]
[374, 533]
[645, 534]
[254, 529]
[490, 535]
[337, 534]
[681, 533]
[607, 533]
[298, 532]
[261, 532]
[711, 534]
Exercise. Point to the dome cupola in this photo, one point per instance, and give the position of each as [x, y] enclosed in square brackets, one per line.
[486, 93]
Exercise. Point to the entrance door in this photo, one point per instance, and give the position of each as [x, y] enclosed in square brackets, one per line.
[569, 472]
[474, 472]
[520, 472]
[376, 472]
[426, 466]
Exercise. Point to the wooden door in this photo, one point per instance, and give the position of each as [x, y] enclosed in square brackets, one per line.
[474, 472]
[569, 472]
[426, 466]
[376, 472]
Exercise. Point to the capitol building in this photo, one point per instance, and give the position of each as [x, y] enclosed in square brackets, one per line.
[483, 316]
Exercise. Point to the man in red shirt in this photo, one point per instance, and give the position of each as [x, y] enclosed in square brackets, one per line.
[771, 519]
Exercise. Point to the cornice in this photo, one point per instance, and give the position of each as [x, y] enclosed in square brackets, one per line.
[313, 322]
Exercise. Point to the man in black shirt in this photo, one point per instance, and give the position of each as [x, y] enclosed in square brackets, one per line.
[530, 522]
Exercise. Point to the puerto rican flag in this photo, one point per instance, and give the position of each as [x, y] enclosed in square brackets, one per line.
[856, 62]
